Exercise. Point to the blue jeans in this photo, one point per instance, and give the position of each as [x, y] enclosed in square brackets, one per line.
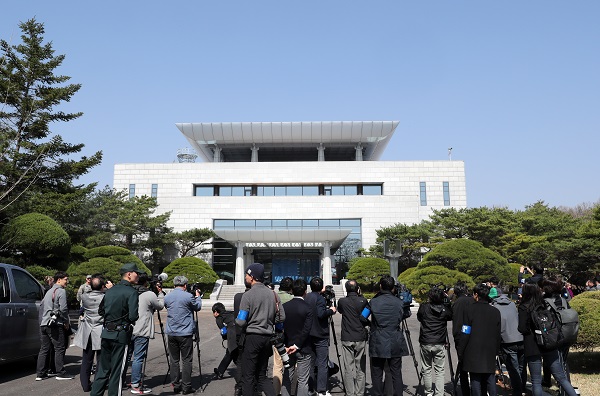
[513, 358]
[552, 359]
[140, 351]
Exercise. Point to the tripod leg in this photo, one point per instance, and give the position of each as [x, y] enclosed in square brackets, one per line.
[412, 352]
[337, 353]
[164, 340]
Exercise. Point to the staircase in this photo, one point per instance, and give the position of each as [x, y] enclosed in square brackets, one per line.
[227, 294]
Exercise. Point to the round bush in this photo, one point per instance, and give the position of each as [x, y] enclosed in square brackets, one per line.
[422, 280]
[405, 274]
[367, 271]
[193, 268]
[587, 305]
[40, 272]
[106, 251]
[101, 265]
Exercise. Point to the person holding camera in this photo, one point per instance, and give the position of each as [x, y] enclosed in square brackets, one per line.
[89, 333]
[54, 324]
[180, 328]
[319, 333]
[354, 339]
[387, 343]
[143, 331]
[537, 275]
[298, 323]
[119, 309]
[260, 311]
[434, 316]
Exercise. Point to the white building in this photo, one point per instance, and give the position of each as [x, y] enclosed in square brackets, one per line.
[293, 195]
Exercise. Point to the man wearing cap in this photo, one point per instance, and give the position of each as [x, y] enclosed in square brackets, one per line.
[85, 287]
[181, 306]
[260, 310]
[119, 308]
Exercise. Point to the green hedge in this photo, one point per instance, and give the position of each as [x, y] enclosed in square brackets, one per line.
[193, 268]
[106, 251]
[367, 271]
[421, 280]
[587, 305]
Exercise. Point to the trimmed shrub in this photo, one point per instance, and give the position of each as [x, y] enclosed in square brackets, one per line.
[367, 271]
[193, 268]
[106, 251]
[587, 305]
[405, 274]
[40, 272]
[422, 280]
[101, 265]
[470, 257]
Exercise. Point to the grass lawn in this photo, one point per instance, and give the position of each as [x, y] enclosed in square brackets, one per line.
[585, 370]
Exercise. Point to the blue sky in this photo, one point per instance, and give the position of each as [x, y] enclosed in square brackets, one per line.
[513, 87]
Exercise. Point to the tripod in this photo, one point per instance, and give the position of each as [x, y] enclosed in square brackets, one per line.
[337, 352]
[412, 351]
[453, 378]
[162, 333]
[197, 340]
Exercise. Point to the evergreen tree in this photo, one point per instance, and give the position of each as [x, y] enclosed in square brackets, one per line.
[34, 159]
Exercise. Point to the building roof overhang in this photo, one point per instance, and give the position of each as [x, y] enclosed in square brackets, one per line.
[339, 137]
[305, 238]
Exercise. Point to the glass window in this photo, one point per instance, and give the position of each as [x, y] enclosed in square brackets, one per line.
[244, 224]
[263, 224]
[310, 223]
[266, 191]
[446, 193]
[344, 223]
[310, 190]
[423, 189]
[294, 223]
[4, 287]
[371, 189]
[329, 223]
[279, 191]
[337, 190]
[27, 287]
[154, 192]
[327, 190]
[237, 191]
[247, 191]
[204, 191]
[279, 224]
[131, 191]
[350, 190]
[223, 224]
[294, 191]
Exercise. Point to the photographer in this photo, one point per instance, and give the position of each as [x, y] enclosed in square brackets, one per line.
[143, 331]
[354, 339]
[434, 316]
[387, 343]
[226, 323]
[260, 310]
[536, 275]
[119, 308]
[181, 306]
[320, 332]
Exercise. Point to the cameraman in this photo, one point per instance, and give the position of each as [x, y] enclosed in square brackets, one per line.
[387, 343]
[434, 316]
[354, 339]
[319, 333]
[260, 310]
[181, 306]
[143, 330]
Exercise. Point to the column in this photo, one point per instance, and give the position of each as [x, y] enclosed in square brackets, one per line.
[254, 157]
[239, 264]
[321, 152]
[393, 267]
[326, 264]
[358, 149]
[217, 154]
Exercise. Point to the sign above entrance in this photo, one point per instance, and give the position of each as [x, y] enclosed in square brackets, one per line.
[274, 245]
[313, 238]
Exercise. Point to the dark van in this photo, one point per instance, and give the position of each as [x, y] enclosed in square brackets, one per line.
[20, 299]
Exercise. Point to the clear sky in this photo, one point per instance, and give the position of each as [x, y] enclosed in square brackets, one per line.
[512, 86]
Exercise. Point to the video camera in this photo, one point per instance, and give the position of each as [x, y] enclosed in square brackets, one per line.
[193, 287]
[329, 296]
[404, 294]
[443, 288]
[157, 280]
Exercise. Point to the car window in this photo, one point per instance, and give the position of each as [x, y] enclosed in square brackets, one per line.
[4, 287]
[26, 287]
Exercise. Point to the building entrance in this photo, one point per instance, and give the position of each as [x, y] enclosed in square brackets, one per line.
[279, 263]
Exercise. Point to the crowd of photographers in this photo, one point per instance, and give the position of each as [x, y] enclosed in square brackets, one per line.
[295, 327]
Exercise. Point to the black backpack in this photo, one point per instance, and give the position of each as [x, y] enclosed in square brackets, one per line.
[546, 327]
[569, 319]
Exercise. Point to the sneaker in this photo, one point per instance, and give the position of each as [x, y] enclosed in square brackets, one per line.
[51, 374]
[41, 377]
[140, 390]
[62, 377]
[176, 388]
[324, 394]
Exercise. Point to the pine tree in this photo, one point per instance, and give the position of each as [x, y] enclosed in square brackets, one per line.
[35, 161]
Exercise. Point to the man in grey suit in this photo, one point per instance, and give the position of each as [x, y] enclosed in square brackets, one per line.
[88, 336]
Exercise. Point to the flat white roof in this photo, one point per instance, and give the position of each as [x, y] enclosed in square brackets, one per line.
[337, 136]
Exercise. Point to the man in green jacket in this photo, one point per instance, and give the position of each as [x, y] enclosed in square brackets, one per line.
[119, 308]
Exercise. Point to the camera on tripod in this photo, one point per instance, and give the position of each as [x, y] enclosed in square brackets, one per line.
[277, 342]
[329, 296]
[157, 280]
[195, 287]
[404, 294]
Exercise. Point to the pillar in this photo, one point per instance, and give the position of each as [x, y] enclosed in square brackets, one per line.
[217, 154]
[321, 152]
[239, 264]
[358, 149]
[254, 157]
[326, 264]
[393, 267]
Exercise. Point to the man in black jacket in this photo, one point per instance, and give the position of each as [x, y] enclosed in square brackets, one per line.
[320, 332]
[297, 327]
[458, 310]
[354, 339]
[434, 316]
